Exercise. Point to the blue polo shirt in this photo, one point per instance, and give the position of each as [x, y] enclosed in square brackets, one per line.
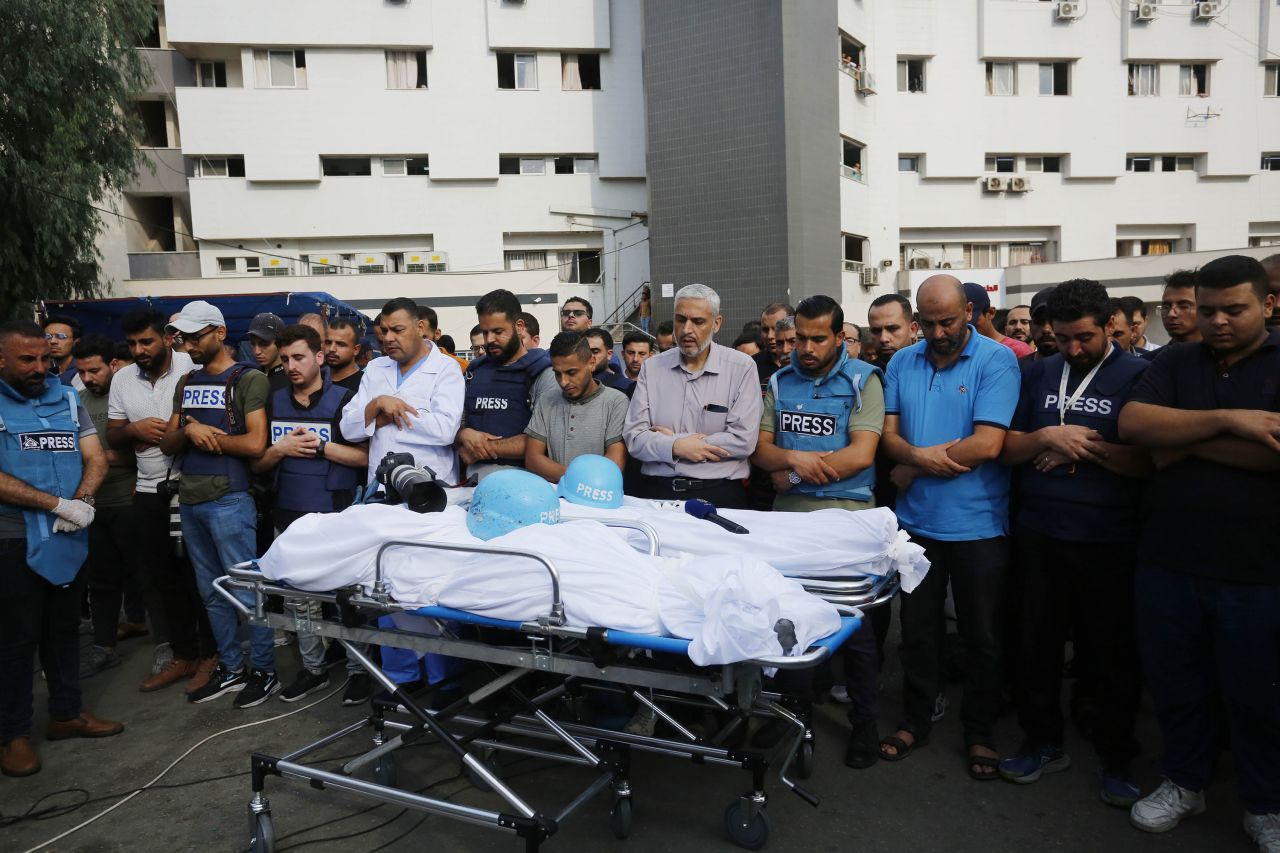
[936, 406]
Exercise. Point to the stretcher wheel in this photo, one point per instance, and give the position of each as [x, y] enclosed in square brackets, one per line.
[620, 818]
[804, 759]
[751, 836]
[384, 771]
[263, 836]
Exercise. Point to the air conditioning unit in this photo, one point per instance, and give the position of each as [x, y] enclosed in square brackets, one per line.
[1145, 12]
[867, 83]
[1205, 11]
[870, 276]
[993, 185]
[1019, 184]
[438, 262]
[1069, 10]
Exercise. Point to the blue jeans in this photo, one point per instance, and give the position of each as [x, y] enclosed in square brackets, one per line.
[1200, 638]
[219, 534]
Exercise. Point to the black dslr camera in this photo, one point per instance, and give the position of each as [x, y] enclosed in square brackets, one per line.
[405, 483]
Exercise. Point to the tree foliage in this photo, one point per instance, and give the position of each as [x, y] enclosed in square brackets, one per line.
[68, 138]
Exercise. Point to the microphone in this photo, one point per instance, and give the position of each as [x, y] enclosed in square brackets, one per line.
[699, 508]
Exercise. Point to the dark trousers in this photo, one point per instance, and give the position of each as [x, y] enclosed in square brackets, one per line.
[36, 615]
[1086, 587]
[976, 570]
[108, 568]
[725, 494]
[1200, 639]
[173, 580]
[862, 672]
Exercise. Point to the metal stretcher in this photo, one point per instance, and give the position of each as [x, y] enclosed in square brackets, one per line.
[529, 670]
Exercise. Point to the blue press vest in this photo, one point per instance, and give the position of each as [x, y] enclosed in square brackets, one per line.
[40, 445]
[204, 400]
[813, 414]
[498, 399]
[308, 485]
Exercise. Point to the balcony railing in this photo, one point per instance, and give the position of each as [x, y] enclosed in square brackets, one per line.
[164, 265]
[853, 172]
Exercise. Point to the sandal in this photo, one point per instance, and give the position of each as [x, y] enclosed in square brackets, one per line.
[987, 761]
[903, 748]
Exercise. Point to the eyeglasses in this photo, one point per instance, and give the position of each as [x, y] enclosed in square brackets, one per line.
[195, 338]
[1169, 307]
[573, 312]
[56, 336]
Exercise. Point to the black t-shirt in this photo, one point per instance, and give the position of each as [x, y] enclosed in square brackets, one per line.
[1199, 517]
[352, 382]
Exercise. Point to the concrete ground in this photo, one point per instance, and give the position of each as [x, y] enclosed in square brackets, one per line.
[926, 803]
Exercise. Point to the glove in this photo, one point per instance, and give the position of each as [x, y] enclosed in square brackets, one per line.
[75, 514]
[61, 525]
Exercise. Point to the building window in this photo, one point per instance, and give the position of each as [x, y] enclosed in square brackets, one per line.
[1043, 164]
[911, 75]
[252, 265]
[851, 159]
[406, 69]
[1132, 248]
[401, 166]
[578, 72]
[517, 70]
[345, 167]
[280, 69]
[1193, 80]
[579, 267]
[524, 260]
[226, 266]
[852, 56]
[155, 129]
[1026, 253]
[1001, 78]
[1138, 164]
[1000, 163]
[211, 74]
[908, 163]
[219, 167]
[568, 164]
[1171, 163]
[1271, 81]
[1264, 240]
[1055, 78]
[980, 256]
[854, 252]
[1144, 80]
[1271, 162]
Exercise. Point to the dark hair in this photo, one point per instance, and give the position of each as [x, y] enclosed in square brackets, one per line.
[775, 307]
[1079, 298]
[1118, 307]
[585, 304]
[76, 331]
[1181, 280]
[752, 327]
[298, 332]
[344, 323]
[637, 338]
[1135, 305]
[502, 302]
[530, 324]
[91, 345]
[427, 313]
[570, 343]
[894, 299]
[820, 305]
[446, 343]
[749, 338]
[475, 330]
[400, 303]
[142, 319]
[1232, 270]
[20, 329]
[602, 334]
[123, 353]
[666, 327]
[1020, 305]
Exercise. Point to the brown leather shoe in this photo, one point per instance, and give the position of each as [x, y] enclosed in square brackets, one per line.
[203, 672]
[175, 670]
[129, 630]
[85, 725]
[20, 758]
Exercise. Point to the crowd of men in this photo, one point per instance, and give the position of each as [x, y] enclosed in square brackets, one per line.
[1070, 481]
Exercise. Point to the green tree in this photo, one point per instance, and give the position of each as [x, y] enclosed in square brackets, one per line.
[68, 138]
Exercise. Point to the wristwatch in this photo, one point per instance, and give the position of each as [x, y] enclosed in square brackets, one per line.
[86, 498]
[793, 478]
[320, 449]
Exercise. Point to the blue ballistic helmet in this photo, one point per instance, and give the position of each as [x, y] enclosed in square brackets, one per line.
[592, 480]
[509, 499]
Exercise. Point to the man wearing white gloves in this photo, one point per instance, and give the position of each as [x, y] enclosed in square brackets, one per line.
[50, 466]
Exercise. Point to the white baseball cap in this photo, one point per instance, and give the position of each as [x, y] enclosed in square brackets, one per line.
[195, 316]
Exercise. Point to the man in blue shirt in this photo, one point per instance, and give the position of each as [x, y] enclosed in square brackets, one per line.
[948, 401]
[1075, 537]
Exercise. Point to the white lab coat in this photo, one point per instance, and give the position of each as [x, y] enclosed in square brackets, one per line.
[435, 389]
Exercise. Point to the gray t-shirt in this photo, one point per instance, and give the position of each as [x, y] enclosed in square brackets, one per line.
[14, 526]
[575, 429]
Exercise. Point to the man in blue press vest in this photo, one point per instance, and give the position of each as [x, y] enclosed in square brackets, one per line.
[317, 469]
[501, 389]
[219, 423]
[819, 430]
[51, 463]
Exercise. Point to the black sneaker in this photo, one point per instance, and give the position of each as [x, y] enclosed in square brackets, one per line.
[334, 654]
[222, 681]
[358, 689]
[306, 682]
[260, 687]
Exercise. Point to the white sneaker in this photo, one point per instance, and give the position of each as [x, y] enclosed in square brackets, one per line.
[1264, 830]
[1165, 807]
[840, 693]
[643, 722]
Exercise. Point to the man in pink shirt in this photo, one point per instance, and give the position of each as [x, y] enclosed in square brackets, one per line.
[983, 314]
